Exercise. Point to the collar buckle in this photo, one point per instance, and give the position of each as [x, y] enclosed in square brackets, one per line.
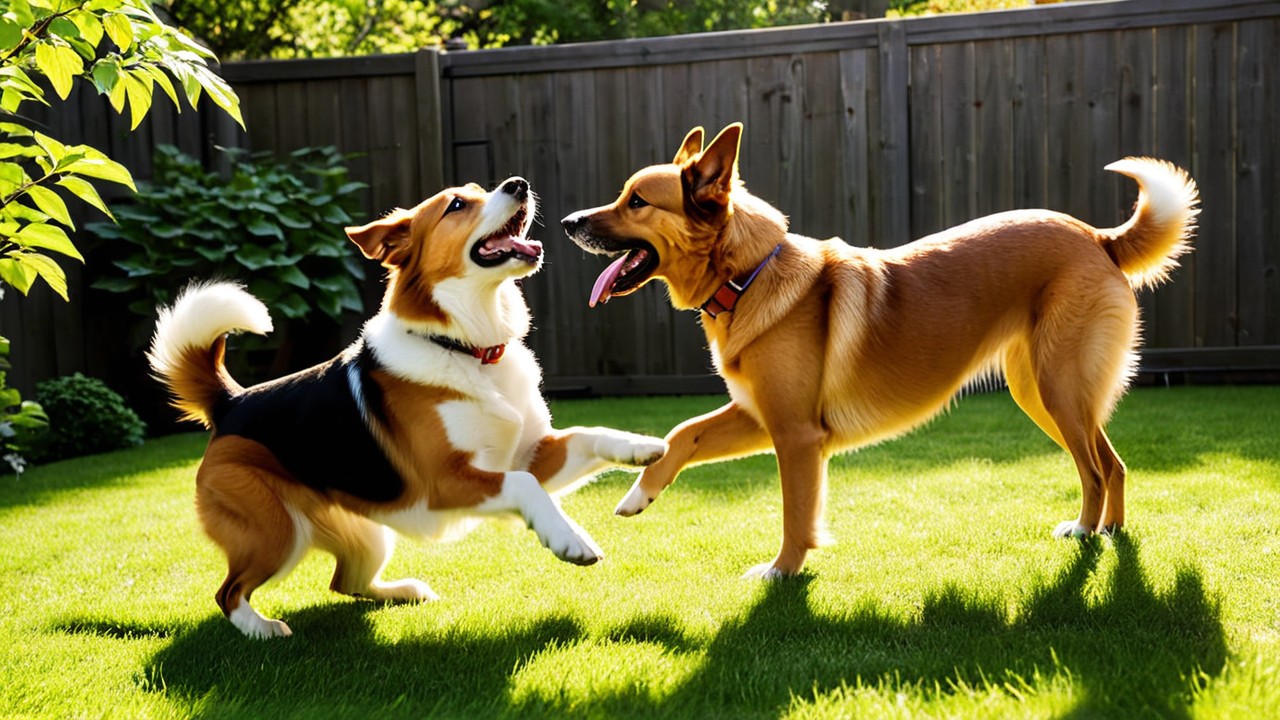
[489, 355]
[726, 298]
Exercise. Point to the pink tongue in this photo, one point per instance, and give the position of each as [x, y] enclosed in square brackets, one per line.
[604, 283]
[532, 248]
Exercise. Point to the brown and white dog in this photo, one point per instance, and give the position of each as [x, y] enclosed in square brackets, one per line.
[430, 421]
[828, 347]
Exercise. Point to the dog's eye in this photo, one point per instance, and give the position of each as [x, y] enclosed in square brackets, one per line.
[457, 204]
[636, 202]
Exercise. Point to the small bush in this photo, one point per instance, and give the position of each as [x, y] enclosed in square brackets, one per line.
[85, 417]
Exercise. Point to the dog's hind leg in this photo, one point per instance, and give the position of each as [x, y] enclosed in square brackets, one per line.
[1114, 469]
[1079, 433]
[362, 548]
[1081, 357]
[243, 577]
[1022, 386]
[252, 526]
[1102, 476]
[1021, 378]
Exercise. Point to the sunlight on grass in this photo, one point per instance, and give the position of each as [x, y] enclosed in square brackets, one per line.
[942, 595]
[574, 676]
[890, 697]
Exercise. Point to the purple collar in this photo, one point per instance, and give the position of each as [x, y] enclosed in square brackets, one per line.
[726, 298]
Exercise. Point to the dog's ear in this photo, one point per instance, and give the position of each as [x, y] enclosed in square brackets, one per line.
[711, 175]
[385, 240]
[691, 146]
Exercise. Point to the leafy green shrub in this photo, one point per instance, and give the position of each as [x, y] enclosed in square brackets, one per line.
[20, 420]
[85, 417]
[275, 224]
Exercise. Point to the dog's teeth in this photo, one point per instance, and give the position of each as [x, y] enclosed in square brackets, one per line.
[634, 262]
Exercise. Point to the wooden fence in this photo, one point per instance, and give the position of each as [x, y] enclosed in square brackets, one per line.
[876, 131]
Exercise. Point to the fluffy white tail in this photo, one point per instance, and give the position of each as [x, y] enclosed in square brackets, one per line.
[190, 341]
[1148, 246]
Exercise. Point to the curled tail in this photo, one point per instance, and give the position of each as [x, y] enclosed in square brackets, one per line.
[190, 342]
[1148, 246]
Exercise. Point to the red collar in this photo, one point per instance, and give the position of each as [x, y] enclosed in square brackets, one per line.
[486, 355]
[726, 298]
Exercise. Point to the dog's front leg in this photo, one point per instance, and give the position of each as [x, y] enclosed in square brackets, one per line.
[522, 493]
[565, 459]
[802, 468]
[722, 434]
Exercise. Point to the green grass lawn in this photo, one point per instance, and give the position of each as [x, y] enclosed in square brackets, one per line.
[943, 596]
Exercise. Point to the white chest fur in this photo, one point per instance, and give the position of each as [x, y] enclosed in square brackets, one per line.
[499, 418]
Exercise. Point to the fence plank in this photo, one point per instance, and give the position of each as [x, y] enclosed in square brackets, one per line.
[577, 146]
[258, 108]
[1030, 120]
[1102, 105]
[1173, 322]
[820, 153]
[1258, 157]
[1068, 141]
[428, 117]
[993, 174]
[763, 156]
[957, 133]
[892, 207]
[354, 141]
[854, 150]
[1216, 315]
[323, 105]
[928, 188]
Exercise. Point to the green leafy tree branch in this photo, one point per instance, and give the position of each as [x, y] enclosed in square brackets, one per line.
[125, 52]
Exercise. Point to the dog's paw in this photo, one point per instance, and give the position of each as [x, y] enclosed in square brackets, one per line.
[248, 621]
[1072, 529]
[575, 547]
[636, 500]
[631, 449]
[648, 450]
[766, 571]
[407, 590]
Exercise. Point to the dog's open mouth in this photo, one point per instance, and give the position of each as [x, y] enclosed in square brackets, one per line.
[507, 243]
[625, 275]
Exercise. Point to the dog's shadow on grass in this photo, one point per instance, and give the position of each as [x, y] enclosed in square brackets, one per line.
[1124, 647]
[336, 665]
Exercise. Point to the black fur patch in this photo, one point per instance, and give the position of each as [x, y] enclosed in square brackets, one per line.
[312, 424]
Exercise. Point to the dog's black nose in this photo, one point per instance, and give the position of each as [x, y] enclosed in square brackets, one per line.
[517, 186]
[571, 223]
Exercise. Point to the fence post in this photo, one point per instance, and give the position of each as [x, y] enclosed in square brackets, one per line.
[426, 79]
[894, 208]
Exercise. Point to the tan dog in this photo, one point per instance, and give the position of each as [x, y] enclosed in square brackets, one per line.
[430, 421]
[828, 347]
